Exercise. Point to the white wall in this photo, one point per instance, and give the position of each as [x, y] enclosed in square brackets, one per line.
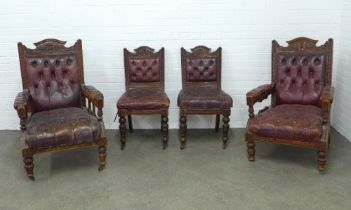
[342, 103]
[243, 28]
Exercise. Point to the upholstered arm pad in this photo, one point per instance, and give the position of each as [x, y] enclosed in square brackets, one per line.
[21, 104]
[95, 96]
[327, 97]
[258, 94]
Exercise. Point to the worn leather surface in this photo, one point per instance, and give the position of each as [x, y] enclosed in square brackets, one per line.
[299, 78]
[143, 99]
[204, 97]
[53, 82]
[259, 93]
[61, 127]
[327, 94]
[289, 122]
[94, 95]
[144, 70]
[201, 69]
[21, 103]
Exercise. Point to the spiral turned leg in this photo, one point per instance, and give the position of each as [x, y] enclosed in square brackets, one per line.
[102, 157]
[183, 128]
[251, 150]
[164, 128]
[122, 130]
[322, 161]
[225, 128]
[29, 165]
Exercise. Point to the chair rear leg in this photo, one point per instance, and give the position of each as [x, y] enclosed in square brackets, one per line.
[164, 128]
[130, 123]
[28, 163]
[217, 123]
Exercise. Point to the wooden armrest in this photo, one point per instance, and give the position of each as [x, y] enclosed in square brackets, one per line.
[21, 106]
[257, 95]
[93, 95]
[326, 100]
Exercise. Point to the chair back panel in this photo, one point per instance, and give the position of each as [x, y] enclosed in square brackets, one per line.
[201, 66]
[300, 71]
[52, 74]
[144, 68]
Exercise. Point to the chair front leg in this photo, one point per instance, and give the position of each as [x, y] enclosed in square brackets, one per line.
[250, 147]
[122, 129]
[102, 156]
[164, 128]
[322, 161]
[183, 128]
[28, 163]
[217, 123]
[226, 120]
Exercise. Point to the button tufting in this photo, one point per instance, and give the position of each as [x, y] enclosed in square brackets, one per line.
[317, 61]
[294, 62]
[305, 61]
[46, 63]
[154, 62]
[283, 61]
[69, 61]
[201, 63]
[211, 62]
[34, 63]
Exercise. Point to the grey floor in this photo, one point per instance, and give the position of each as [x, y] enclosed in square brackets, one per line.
[203, 176]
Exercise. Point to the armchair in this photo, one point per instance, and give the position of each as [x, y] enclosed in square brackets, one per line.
[57, 110]
[301, 98]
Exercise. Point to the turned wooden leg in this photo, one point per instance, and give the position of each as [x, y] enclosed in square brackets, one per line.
[102, 157]
[164, 127]
[182, 131]
[28, 164]
[251, 150]
[329, 139]
[217, 123]
[321, 159]
[225, 128]
[122, 130]
[130, 123]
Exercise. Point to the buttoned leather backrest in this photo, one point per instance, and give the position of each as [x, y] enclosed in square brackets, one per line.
[144, 68]
[300, 71]
[201, 66]
[52, 74]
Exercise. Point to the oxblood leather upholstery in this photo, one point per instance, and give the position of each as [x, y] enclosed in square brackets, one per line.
[299, 78]
[143, 99]
[204, 98]
[201, 69]
[289, 122]
[144, 70]
[62, 127]
[53, 82]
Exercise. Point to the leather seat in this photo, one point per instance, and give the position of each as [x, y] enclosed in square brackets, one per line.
[62, 127]
[204, 98]
[143, 99]
[290, 122]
